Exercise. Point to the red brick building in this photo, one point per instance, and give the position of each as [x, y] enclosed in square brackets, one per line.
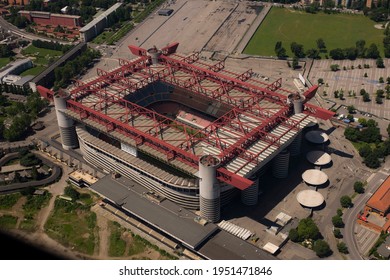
[18, 2]
[45, 18]
[378, 205]
[380, 201]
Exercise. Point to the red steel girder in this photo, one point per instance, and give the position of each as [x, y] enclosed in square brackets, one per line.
[157, 144]
[318, 112]
[238, 84]
[275, 85]
[171, 48]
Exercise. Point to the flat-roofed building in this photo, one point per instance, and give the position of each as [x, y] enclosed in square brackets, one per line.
[380, 201]
[46, 18]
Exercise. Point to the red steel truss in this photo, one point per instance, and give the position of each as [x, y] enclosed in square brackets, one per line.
[136, 74]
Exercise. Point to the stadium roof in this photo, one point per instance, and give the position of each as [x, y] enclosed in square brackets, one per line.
[256, 125]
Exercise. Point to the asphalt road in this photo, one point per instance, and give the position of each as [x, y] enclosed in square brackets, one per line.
[350, 216]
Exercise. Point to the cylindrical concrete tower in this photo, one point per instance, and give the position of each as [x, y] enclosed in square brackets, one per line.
[250, 195]
[210, 204]
[154, 54]
[295, 146]
[65, 124]
[280, 164]
[297, 102]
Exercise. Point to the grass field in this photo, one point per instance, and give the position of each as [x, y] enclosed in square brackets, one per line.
[33, 71]
[117, 244]
[337, 30]
[8, 222]
[3, 61]
[9, 200]
[73, 225]
[34, 51]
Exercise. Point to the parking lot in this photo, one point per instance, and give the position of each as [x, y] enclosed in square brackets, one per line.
[352, 81]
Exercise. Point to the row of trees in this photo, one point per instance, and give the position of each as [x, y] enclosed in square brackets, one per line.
[51, 45]
[64, 74]
[359, 51]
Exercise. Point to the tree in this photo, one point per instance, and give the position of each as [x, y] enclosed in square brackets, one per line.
[372, 161]
[72, 193]
[379, 63]
[342, 247]
[337, 233]
[322, 248]
[358, 187]
[378, 100]
[307, 229]
[293, 235]
[346, 201]
[337, 54]
[297, 50]
[321, 44]
[360, 46]
[334, 67]
[295, 63]
[339, 212]
[372, 51]
[372, 123]
[366, 97]
[35, 174]
[365, 150]
[320, 81]
[313, 53]
[351, 134]
[337, 221]
[351, 109]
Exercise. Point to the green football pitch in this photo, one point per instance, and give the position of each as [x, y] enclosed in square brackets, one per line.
[287, 26]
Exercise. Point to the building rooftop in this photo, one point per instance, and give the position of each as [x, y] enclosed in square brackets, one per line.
[165, 216]
[318, 158]
[317, 137]
[314, 177]
[47, 14]
[81, 175]
[310, 198]
[100, 17]
[380, 200]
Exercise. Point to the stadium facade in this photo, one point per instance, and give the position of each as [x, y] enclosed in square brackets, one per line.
[187, 129]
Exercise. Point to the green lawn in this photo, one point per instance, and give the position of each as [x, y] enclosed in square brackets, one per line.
[102, 38]
[337, 30]
[3, 61]
[8, 222]
[117, 244]
[9, 200]
[34, 51]
[33, 71]
[73, 225]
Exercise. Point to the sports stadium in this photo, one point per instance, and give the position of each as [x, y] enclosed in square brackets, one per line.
[187, 129]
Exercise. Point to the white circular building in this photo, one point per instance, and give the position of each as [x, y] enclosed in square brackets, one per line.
[317, 137]
[310, 198]
[314, 177]
[318, 158]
